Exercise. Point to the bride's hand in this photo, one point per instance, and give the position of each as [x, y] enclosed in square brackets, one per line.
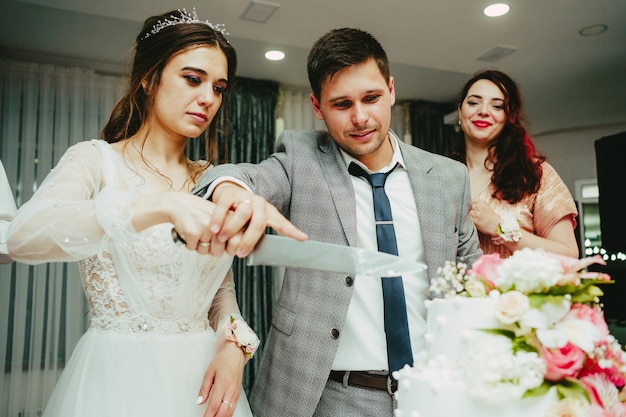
[240, 218]
[191, 216]
[221, 385]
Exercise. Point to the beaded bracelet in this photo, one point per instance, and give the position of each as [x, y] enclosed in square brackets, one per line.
[237, 330]
[508, 230]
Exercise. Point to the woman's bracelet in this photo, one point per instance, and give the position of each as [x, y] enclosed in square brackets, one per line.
[237, 330]
[508, 230]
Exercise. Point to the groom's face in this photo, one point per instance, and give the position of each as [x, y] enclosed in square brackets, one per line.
[355, 104]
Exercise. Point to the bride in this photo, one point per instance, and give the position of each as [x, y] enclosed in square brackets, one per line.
[166, 337]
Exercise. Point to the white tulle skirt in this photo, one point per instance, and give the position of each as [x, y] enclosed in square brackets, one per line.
[114, 374]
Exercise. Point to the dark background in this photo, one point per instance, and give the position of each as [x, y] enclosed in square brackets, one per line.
[611, 169]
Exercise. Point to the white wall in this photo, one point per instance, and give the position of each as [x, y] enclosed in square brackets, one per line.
[572, 152]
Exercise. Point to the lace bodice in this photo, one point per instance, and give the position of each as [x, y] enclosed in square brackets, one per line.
[82, 212]
[168, 281]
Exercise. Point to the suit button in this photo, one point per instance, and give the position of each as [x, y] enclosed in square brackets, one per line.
[349, 281]
[334, 333]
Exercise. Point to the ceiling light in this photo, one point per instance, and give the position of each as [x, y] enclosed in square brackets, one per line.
[497, 9]
[593, 30]
[274, 55]
[259, 11]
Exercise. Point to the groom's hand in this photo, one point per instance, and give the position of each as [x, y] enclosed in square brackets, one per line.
[240, 218]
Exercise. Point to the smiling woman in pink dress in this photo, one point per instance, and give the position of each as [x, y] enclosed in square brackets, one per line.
[518, 199]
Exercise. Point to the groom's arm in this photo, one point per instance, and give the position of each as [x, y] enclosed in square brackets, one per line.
[265, 185]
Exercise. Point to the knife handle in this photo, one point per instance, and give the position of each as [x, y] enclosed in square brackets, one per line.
[176, 237]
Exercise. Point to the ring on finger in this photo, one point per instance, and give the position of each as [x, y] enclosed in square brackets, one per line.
[228, 403]
[204, 244]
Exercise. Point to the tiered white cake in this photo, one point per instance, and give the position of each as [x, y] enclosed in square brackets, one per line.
[523, 336]
[453, 377]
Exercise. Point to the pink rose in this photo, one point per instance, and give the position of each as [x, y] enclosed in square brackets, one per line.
[562, 362]
[487, 268]
[593, 315]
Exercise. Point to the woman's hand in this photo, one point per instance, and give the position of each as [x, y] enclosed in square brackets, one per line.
[233, 224]
[191, 216]
[485, 219]
[221, 385]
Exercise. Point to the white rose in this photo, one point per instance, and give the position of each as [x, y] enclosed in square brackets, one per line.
[509, 224]
[475, 288]
[244, 334]
[511, 306]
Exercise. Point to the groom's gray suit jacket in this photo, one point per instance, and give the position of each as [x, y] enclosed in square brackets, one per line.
[308, 181]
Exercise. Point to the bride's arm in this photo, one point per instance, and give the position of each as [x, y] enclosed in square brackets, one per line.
[221, 384]
[74, 213]
[59, 222]
[226, 319]
[225, 302]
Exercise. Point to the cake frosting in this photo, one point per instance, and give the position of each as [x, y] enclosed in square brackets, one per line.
[440, 383]
[523, 336]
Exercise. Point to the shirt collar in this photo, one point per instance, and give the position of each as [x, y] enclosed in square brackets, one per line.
[396, 159]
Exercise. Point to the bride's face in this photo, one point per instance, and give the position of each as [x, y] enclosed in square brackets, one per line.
[190, 91]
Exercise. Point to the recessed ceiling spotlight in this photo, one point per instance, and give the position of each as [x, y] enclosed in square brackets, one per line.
[274, 55]
[593, 30]
[496, 9]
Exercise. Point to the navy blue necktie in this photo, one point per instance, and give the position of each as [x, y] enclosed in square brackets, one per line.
[396, 321]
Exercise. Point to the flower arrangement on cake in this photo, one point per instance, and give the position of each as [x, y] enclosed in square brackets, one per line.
[553, 332]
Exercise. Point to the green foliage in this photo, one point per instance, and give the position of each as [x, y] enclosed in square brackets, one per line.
[565, 388]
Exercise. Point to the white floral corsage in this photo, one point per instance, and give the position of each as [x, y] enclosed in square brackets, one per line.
[237, 330]
[508, 230]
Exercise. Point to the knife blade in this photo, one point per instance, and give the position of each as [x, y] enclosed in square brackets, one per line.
[274, 250]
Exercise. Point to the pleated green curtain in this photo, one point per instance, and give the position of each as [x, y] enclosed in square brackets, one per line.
[427, 128]
[252, 111]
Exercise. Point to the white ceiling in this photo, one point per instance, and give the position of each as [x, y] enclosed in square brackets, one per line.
[568, 81]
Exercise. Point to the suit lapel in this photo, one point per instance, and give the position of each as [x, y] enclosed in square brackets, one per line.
[426, 191]
[341, 190]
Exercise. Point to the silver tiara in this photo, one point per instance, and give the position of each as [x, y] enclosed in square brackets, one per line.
[185, 17]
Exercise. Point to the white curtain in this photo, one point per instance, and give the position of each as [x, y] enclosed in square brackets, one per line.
[43, 110]
[294, 111]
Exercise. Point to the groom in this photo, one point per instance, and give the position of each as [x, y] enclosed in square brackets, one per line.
[326, 354]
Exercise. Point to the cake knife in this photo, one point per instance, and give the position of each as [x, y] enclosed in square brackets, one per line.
[275, 250]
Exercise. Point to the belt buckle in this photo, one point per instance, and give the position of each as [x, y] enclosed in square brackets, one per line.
[391, 384]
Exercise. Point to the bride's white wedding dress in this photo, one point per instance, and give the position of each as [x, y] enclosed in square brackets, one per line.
[149, 341]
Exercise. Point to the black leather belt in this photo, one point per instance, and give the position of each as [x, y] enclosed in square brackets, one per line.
[365, 380]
